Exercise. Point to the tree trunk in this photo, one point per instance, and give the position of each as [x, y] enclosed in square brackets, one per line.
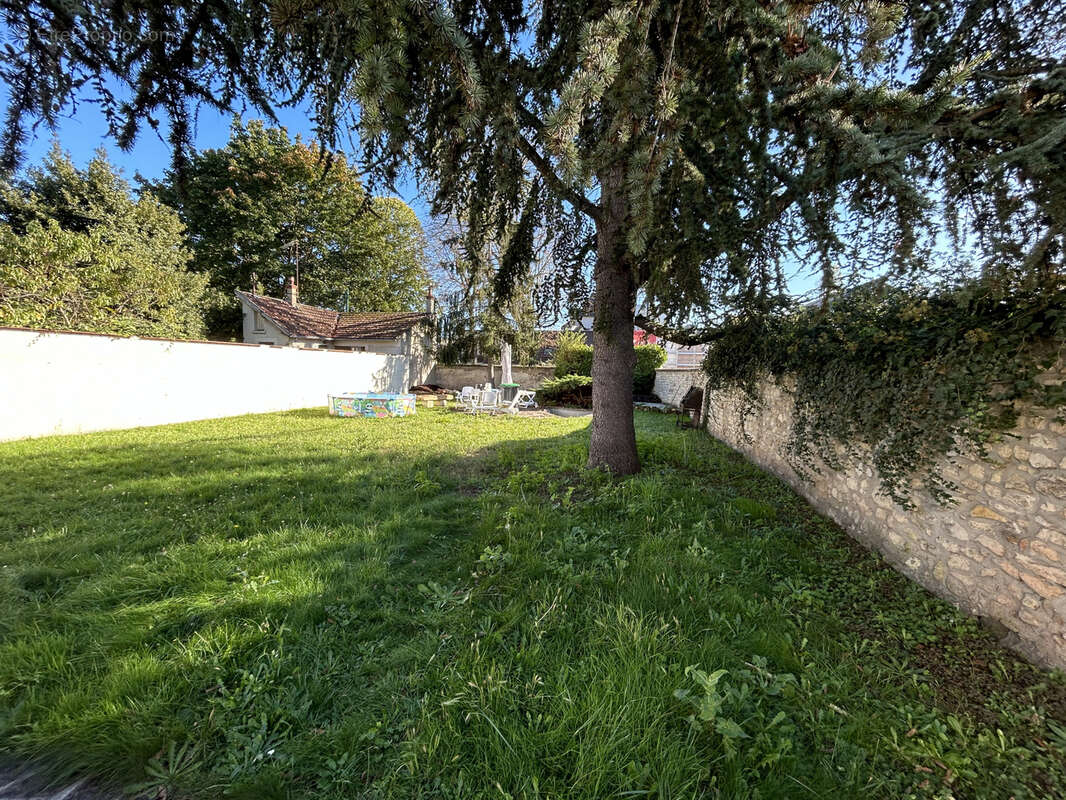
[614, 441]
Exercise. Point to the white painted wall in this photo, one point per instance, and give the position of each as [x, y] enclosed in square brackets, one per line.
[391, 346]
[268, 333]
[69, 382]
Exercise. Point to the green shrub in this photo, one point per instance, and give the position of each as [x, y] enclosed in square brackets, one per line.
[576, 361]
[649, 358]
[569, 390]
[573, 356]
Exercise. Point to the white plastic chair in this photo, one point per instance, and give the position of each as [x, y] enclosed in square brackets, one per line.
[468, 398]
[489, 401]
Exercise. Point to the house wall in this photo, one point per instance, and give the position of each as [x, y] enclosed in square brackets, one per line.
[460, 375]
[681, 357]
[999, 552]
[270, 334]
[394, 347]
[422, 358]
[415, 346]
[68, 382]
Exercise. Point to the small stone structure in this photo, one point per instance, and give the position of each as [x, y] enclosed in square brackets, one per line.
[671, 383]
[998, 553]
[691, 408]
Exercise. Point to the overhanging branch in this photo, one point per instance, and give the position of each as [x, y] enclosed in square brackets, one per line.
[544, 167]
[687, 337]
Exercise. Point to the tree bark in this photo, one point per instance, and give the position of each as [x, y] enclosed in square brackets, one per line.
[614, 441]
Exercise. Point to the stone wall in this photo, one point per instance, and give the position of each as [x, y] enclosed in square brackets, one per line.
[998, 553]
[460, 375]
[671, 384]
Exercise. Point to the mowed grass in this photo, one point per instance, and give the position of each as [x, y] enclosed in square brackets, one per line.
[295, 606]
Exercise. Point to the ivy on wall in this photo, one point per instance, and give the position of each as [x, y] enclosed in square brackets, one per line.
[902, 378]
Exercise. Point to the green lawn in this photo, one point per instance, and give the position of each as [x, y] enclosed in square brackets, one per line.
[291, 605]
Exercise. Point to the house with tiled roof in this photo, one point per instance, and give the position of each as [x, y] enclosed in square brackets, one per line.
[288, 322]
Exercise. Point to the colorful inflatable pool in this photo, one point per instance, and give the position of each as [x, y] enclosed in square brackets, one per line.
[367, 404]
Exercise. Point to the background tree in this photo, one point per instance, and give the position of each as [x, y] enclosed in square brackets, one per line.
[475, 320]
[269, 206]
[78, 252]
[687, 152]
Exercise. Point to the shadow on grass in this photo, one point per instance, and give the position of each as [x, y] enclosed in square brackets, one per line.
[309, 606]
[231, 587]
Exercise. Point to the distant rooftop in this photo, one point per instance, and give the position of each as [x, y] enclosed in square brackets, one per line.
[314, 322]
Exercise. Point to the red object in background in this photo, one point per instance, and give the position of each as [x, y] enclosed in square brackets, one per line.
[643, 337]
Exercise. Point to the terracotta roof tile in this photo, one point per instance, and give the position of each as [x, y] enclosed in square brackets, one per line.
[314, 322]
[376, 324]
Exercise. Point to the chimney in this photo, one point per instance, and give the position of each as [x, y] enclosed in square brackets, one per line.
[291, 291]
[431, 303]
